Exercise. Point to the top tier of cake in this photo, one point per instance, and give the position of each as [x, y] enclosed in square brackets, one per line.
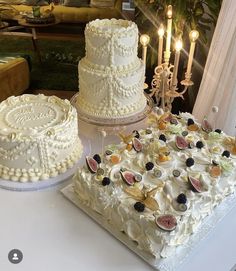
[111, 43]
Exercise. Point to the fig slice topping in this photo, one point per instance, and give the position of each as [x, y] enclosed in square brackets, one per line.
[196, 185]
[137, 144]
[128, 177]
[166, 222]
[92, 164]
[181, 143]
[206, 126]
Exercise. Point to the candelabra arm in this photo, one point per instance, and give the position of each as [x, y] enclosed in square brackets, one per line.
[187, 81]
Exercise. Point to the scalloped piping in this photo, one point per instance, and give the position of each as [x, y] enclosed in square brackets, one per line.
[95, 27]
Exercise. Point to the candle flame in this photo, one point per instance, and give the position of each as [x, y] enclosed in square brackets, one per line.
[144, 39]
[193, 35]
[178, 45]
[161, 31]
[169, 12]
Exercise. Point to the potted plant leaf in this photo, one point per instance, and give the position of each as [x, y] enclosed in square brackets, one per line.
[41, 14]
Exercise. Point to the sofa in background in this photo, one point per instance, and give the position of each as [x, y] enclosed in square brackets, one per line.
[14, 76]
[71, 14]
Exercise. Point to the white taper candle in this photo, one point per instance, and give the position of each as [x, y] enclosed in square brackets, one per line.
[161, 33]
[193, 36]
[144, 40]
[168, 36]
[178, 47]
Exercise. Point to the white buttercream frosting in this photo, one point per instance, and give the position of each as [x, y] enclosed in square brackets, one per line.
[115, 201]
[38, 137]
[111, 76]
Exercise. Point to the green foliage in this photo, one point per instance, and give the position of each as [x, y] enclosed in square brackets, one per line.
[187, 14]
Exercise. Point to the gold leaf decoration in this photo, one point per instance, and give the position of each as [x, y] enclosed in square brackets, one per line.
[135, 192]
[145, 196]
[151, 203]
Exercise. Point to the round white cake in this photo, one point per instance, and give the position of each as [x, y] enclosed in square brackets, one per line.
[38, 137]
[111, 76]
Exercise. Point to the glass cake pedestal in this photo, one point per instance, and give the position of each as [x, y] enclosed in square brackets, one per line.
[119, 122]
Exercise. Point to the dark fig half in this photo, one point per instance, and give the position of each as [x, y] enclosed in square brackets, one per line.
[92, 164]
[206, 126]
[137, 145]
[128, 177]
[166, 222]
[181, 143]
[196, 185]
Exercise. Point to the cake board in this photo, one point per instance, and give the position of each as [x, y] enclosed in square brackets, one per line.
[182, 253]
[39, 185]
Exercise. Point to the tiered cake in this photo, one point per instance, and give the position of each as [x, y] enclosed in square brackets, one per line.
[159, 184]
[38, 137]
[111, 76]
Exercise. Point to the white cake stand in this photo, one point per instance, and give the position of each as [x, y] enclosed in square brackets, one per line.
[126, 120]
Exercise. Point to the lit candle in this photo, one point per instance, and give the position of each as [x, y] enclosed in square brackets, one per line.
[161, 33]
[193, 36]
[178, 47]
[144, 40]
[168, 37]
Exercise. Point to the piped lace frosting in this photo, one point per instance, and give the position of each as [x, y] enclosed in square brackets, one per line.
[38, 137]
[111, 72]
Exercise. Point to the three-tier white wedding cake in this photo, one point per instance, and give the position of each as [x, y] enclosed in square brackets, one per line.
[111, 76]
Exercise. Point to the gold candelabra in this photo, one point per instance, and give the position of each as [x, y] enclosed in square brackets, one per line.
[164, 85]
